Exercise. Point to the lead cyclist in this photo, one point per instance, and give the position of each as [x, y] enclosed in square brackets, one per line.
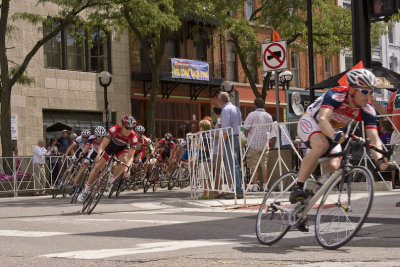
[319, 127]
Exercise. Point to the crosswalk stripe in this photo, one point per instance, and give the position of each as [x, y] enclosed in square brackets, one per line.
[29, 233]
[138, 249]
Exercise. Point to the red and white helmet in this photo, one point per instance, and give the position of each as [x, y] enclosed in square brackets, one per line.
[128, 121]
[361, 77]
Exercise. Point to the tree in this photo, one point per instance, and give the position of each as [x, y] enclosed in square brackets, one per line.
[15, 72]
[151, 22]
[332, 30]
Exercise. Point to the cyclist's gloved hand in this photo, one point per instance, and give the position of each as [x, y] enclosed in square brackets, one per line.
[382, 163]
[339, 137]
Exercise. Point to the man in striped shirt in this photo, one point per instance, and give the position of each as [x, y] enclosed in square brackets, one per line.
[258, 129]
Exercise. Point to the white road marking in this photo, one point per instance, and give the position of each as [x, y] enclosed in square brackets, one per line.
[139, 221]
[30, 233]
[138, 249]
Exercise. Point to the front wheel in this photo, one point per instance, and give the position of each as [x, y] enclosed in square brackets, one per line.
[344, 208]
[273, 215]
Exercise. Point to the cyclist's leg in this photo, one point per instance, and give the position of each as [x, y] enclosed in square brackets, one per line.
[94, 173]
[124, 157]
[80, 173]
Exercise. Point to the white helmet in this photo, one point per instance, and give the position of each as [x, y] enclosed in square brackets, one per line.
[140, 129]
[86, 133]
[100, 131]
[361, 77]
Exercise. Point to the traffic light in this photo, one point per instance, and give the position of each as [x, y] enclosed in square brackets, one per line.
[383, 8]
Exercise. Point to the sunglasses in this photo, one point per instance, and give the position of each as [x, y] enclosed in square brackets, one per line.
[129, 128]
[365, 91]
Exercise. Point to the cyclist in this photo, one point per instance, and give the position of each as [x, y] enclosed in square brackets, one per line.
[165, 147]
[142, 145]
[90, 150]
[121, 141]
[318, 127]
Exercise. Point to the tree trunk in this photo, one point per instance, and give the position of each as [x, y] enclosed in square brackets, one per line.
[6, 144]
[152, 111]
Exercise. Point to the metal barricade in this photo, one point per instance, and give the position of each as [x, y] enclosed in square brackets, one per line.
[20, 174]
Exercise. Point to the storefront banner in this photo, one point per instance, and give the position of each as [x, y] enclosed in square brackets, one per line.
[190, 69]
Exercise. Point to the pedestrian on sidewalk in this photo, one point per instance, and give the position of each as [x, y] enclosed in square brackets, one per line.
[231, 117]
[257, 141]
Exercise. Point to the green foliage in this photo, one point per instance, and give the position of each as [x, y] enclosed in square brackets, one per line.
[23, 79]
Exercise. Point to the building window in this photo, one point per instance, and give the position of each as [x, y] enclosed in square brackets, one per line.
[391, 34]
[294, 56]
[231, 62]
[328, 68]
[173, 48]
[75, 50]
[99, 51]
[68, 51]
[52, 49]
[249, 8]
[393, 63]
[348, 62]
[201, 49]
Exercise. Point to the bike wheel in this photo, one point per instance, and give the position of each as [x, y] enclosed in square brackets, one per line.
[344, 208]
[121, 187]
[273, 215]
[114, 187]
[80, 187]
[97, 196]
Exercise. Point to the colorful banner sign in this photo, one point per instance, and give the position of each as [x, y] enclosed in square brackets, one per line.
[190, 69]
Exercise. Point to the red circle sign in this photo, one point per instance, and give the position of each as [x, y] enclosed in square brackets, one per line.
[280, 62]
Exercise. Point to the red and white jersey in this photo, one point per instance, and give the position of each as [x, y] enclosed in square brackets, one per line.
[92, 143]
[166, 147]
[337, 99]
[141, 146]
[114, 134]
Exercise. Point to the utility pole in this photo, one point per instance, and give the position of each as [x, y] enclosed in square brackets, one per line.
[361, 33]
[311, 77]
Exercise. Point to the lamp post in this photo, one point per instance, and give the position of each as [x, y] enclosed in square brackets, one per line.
[285, 77]
[105, 80]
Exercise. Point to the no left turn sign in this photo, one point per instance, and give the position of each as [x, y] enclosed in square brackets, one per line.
[274, 56]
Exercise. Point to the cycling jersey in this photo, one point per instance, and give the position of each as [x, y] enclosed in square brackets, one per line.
[114, 134]
[141, 147]
[337, 100]
[94, 146]
[79, 142]
[166, 149]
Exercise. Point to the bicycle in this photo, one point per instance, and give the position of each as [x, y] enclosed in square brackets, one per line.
[65, 182]
[342, 203]
[99, 187]
[157, 175]
[81, 185]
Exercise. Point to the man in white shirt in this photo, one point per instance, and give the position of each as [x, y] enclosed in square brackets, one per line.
[257, 138]
[39, 152]
[285, 142]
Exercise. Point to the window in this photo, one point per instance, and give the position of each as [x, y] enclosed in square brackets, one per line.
[249, 8]
[173, 48]
[67, 51]
[99, 51]
[328, 68]
[348, 62]
[391, 34]
[393, 63]
[201, 49]
[52, 49]
[231, 62]
[294, 56]
[75, 50]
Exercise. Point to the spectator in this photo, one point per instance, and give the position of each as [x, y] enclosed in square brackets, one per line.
[53, 153]
[285, 142]
[393, 108]
[257, 141]
[386, 130]
[16, 158]
[38, 164]
[63, 142]
[232, 117]
[204, 153]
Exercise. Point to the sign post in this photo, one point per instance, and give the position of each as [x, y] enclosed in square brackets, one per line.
[274, 59]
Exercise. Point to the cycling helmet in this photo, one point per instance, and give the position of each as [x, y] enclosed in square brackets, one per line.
[100, 131]
[361, 77]
[140, 129]
[128, 121]
[168, 137]
[86, 133]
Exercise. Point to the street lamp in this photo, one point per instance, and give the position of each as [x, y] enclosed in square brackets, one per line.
[285, 77]
[105, 80]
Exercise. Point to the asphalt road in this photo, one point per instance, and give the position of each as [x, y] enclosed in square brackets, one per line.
[169, 229]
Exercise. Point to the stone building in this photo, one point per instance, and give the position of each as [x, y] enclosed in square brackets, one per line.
[66, 87]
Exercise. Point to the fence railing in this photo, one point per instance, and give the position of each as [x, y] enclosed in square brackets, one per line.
[19, 173]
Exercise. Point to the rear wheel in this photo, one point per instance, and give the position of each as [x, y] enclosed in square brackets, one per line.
[273, 215]
[98, 194]
[344, 208]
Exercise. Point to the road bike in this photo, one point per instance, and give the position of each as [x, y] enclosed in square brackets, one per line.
[340, 206]
[63, 185]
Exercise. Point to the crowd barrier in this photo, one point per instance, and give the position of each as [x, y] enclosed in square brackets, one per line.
[20, 174]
